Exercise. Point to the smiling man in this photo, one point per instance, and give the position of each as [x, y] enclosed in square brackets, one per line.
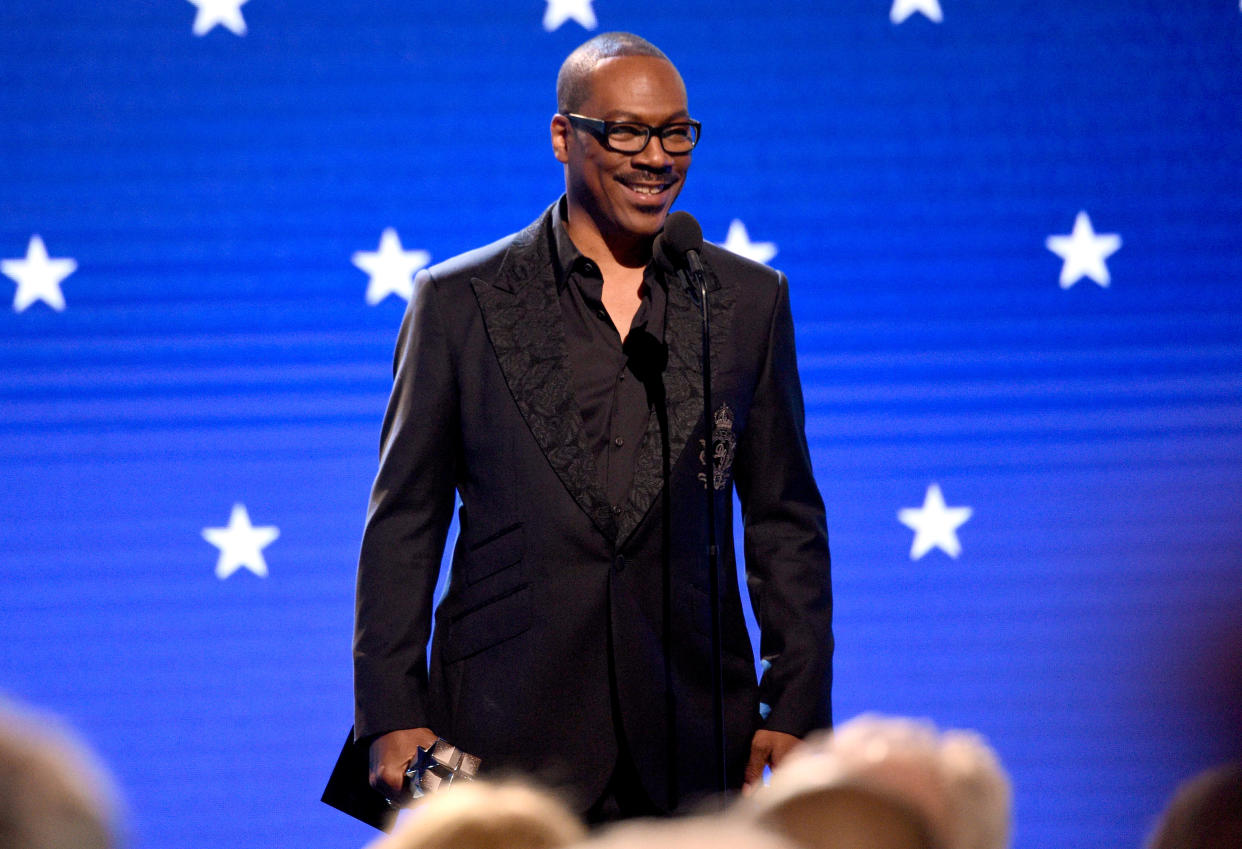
[552, 381]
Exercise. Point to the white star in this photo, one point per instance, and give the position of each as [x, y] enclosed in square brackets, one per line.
[903, 9]
[559, 11]
[38, 278]
[226, 13]
[1084, 252]
[934, 524]
[739, 242]
[241, 544]
[391, 268]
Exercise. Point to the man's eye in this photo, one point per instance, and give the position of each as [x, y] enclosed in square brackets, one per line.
[624, 131]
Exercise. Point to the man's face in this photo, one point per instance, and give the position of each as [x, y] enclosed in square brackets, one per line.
[627, 195]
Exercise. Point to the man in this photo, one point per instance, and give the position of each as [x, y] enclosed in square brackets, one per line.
[553, 381]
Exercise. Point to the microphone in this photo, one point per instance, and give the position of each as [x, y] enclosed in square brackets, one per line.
[679, 245]
[681, 235]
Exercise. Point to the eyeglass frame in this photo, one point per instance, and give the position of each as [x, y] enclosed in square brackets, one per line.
[599, 128]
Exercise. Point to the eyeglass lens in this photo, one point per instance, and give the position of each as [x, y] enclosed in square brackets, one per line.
[631, 138]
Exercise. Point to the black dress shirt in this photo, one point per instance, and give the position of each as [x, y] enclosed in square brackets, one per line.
[614, 383]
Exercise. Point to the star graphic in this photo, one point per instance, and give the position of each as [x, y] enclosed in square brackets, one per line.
[934, 524]
[738, 241]
[38, 277]
[903, 9]
[241, 544]
[391, 268]
[559, 11]
[226, 13]
[1084, 252]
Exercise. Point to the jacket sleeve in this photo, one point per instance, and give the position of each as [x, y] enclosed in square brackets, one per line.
[407, 520]
[786, 540]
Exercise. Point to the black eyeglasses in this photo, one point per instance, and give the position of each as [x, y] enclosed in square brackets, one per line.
[678, 137]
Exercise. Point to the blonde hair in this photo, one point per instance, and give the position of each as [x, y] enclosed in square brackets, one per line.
[951, 781]
[485, 815]
[697, 832]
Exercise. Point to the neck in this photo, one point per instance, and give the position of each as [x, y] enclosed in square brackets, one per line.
[613, 247]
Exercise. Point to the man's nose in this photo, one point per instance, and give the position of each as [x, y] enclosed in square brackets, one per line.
[653, 156]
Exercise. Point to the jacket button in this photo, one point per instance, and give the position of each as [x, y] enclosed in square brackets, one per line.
[619, 563]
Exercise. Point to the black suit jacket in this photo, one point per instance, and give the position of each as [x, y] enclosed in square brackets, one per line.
[551, 584]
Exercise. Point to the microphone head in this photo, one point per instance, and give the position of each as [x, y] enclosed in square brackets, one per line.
[681, 234]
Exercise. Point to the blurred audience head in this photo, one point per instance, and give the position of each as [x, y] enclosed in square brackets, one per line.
[695, 832]
[54, 793]
[1205, 812]
[485, 815]
[889, 783]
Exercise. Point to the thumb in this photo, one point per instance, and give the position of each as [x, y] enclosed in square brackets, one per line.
[760, 751]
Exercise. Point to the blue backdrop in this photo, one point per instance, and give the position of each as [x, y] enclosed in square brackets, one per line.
[1013, 237]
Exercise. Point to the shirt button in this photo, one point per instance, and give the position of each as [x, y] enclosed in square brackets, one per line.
[618, 442]
[600, 314]
[588, 267]
[616, 511]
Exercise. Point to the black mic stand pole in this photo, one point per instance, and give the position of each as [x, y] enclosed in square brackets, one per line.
[699, 281]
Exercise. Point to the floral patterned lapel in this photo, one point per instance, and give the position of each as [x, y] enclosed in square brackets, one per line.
[683, 392]
[523, 319]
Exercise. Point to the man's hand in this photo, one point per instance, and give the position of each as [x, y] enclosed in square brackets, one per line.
[767, 748]
[392, 754]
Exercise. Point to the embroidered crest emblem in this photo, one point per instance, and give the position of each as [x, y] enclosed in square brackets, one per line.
[724, 446]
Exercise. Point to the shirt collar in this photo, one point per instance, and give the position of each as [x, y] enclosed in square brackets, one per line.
[569, 259]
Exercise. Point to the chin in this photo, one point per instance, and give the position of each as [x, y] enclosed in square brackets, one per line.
[645, 222]
[651, 222]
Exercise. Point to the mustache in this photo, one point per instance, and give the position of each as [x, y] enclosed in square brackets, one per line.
[647, 175]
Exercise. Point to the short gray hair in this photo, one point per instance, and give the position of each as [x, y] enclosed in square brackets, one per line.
[951, 780]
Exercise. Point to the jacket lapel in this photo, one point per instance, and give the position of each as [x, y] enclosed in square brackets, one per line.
[523, 319]
[683, 391]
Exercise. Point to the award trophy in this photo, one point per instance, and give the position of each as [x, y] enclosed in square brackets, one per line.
[438, 767]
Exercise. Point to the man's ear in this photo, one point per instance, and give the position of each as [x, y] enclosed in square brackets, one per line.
[560, 131]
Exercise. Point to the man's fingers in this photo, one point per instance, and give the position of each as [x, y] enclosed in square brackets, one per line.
[381, 780]
[780, 747]
[390, 756]
[389, 777]
[759, 753]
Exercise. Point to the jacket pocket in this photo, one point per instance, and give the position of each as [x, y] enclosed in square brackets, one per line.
[488, 624]
[497, 552]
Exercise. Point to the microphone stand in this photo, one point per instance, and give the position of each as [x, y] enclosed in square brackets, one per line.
[699, 286]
